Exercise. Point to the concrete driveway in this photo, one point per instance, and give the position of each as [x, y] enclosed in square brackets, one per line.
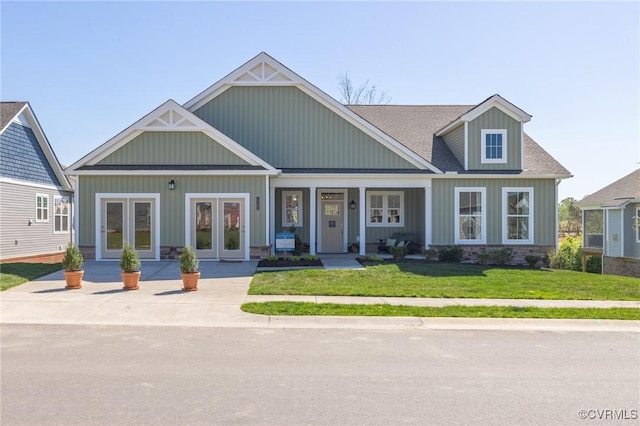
[222, 289]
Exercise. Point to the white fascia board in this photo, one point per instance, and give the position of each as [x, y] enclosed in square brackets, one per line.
[455, 123]
[497, 176]
[339, 181]
[46, 146]
[175, 172]
[500, 103]
[146, 124]
[32, 184]
[295, 80]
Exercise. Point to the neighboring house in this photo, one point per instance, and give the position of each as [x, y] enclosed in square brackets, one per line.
[35, 195]
[264, 151]
[610, 219]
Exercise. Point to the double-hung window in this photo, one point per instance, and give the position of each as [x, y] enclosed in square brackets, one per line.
[61, 209]
[385, 208]
[42, 208]
[471, 217]
[292, 208]
[494, 145]
[517, 215]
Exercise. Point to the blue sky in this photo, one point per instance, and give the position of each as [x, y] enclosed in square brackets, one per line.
[91, 69]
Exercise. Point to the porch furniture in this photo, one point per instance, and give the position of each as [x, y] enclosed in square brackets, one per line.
[406, 239]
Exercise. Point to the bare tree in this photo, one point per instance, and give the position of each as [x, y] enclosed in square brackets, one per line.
[363, 94]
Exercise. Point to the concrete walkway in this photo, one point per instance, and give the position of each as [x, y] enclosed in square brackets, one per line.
[223, 288]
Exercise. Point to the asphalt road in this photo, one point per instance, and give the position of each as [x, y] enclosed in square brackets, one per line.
[111, 375]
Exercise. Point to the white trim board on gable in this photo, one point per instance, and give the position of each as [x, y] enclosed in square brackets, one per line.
[263, 70]
[169, 116]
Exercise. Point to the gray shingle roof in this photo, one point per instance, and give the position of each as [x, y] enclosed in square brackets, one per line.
[616, 194]
[415, 125]
[8, 110]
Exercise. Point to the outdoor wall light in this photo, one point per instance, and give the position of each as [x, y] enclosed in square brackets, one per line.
[258, 203]
[172, 185]
[352, 205]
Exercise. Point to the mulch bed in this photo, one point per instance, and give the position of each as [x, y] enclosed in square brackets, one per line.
[289, 263]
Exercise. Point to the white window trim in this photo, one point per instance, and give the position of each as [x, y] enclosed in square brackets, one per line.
[385, 209]
[483, 134]
[46, 197]
[300, 222]
[483, 217]
[505, 192]
[68, 215]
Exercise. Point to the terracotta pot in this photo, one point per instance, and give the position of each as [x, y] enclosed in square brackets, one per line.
[73, 279]
[130, 280]
[190, 281]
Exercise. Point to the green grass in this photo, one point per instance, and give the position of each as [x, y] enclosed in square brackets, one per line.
[448, 280]
[13, 274]
[332, 309]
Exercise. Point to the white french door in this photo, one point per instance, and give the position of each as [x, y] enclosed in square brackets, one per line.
[131, 220]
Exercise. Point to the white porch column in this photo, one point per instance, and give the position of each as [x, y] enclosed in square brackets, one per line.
[362, 221]
[313, 197]
[272, 219]
[427, 217]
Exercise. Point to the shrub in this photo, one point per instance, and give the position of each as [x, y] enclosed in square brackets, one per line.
[73, 259]
[310, 257]
[430, 253]
[502, 256]
[271, 258]
[398, 252]
[188, 260]
[129, 260]
[594, 264]
[295, 258]
[450, 254]
[484, 257]
[371, 258]
[532, 260]
[568, 256]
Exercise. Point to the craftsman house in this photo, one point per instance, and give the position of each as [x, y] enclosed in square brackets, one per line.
[610, 219]
[263, 151]
[35, 195]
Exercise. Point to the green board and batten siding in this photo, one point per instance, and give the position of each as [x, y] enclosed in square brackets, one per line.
[172, 209]
[455, 142]
[289, 129]
[495, 119]
[444, 208]
[173, 148]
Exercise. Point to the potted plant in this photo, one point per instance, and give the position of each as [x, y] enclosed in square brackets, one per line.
[189, 269]
[130, 265]
[72, 265]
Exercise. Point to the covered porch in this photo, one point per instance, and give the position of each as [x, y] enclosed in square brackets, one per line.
[350, 215]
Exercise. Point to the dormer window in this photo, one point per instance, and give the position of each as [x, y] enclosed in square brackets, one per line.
[494, 145]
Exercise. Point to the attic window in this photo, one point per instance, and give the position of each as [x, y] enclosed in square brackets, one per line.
[494, 145]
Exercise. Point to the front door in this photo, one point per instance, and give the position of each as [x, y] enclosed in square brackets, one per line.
[332, 222]
[128, 220]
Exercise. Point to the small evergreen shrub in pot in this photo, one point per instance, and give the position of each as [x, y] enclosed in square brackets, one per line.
[72, 265]
[130, 265]
[189, 269]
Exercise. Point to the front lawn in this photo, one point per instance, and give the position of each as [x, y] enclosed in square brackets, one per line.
[13, 274]
[305, 308]
[448, 280]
